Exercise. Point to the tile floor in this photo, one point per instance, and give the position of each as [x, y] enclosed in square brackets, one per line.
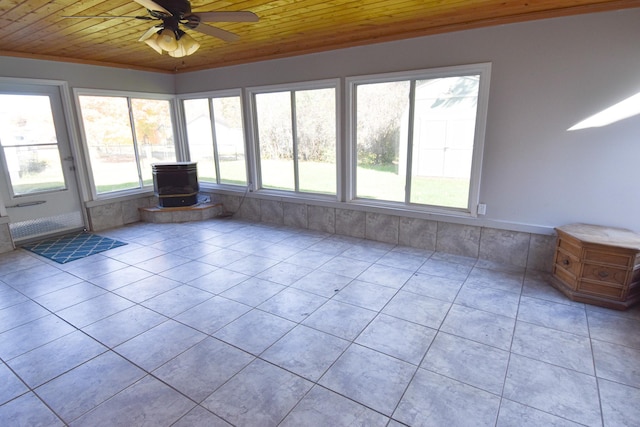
[224, 322]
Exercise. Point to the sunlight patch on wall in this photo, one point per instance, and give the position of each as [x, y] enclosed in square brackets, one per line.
[620, 111]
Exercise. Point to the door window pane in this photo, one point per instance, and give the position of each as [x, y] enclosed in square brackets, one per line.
[30, 145]
[381, 116]
[227, 112]
[275, 136]
[154, 134]
[316, 139]
[34, 169]
[107, 130]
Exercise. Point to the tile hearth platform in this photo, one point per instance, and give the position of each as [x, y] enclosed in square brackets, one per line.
[198, 212]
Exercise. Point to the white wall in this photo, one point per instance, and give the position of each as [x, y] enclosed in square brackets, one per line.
[87, 76]
[546, 76]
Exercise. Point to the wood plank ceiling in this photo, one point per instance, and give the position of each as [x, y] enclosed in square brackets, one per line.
[38, 29]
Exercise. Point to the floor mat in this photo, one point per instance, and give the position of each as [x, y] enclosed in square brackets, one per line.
[69, 248]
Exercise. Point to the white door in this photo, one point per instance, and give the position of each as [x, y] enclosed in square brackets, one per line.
[38, 186]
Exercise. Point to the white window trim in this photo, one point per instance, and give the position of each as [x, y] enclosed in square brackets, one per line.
[484, 70]
[256, 182]
[175, 120]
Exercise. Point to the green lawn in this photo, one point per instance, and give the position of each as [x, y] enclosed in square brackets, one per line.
[379, 183]
[34, 187]
[315, 177]
[383, 184]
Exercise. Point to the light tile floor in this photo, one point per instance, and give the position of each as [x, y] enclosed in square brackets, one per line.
[225, 322]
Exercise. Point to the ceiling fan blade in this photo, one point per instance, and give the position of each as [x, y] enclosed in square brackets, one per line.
[151, 31]
[217, 32]
[242, 16]
[145, 18]
[151, 5]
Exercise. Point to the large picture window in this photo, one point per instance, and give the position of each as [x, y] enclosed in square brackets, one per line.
[296, 135]
[124, 137]
[215, 138]
[418, 137]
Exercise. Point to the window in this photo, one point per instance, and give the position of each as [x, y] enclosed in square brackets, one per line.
[124, 137]
[30, 144]
[418, 137]
[296, 139]
[215, 136]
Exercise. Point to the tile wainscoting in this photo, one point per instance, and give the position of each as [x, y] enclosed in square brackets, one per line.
[118, 213]
[6, 243]
[520, 249]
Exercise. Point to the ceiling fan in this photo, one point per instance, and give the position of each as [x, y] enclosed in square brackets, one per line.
[168, 36]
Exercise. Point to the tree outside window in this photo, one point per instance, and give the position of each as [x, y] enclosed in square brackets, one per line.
[123, 146]
[296, 132]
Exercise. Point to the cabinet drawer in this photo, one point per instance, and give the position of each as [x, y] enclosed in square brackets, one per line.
[566, 277]
[603, 273]
[621, 259]
[570, 247]
[600, 289]
[568, 262]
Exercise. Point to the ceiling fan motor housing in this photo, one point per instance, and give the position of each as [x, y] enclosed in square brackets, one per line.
[178, 8]
[180, 14]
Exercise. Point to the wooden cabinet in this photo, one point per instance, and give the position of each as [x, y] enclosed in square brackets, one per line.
[598, 265]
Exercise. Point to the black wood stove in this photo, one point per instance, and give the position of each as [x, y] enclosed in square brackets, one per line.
[175, 184]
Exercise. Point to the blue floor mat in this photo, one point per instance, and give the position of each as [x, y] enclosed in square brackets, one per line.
[72, 247]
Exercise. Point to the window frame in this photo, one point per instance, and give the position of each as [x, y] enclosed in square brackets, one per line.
[481, 69]
[251, 92]
[128, 95]
[184, 136]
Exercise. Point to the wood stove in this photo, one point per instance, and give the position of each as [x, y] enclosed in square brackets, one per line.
[175, 184]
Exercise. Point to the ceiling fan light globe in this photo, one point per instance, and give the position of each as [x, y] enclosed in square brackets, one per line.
[166, 39]
[185, 48]
[153, 43]
[195, 46]
[178, 53]
[187, 43]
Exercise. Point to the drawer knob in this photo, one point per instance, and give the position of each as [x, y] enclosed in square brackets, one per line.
[603, 274]
[565, 261]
